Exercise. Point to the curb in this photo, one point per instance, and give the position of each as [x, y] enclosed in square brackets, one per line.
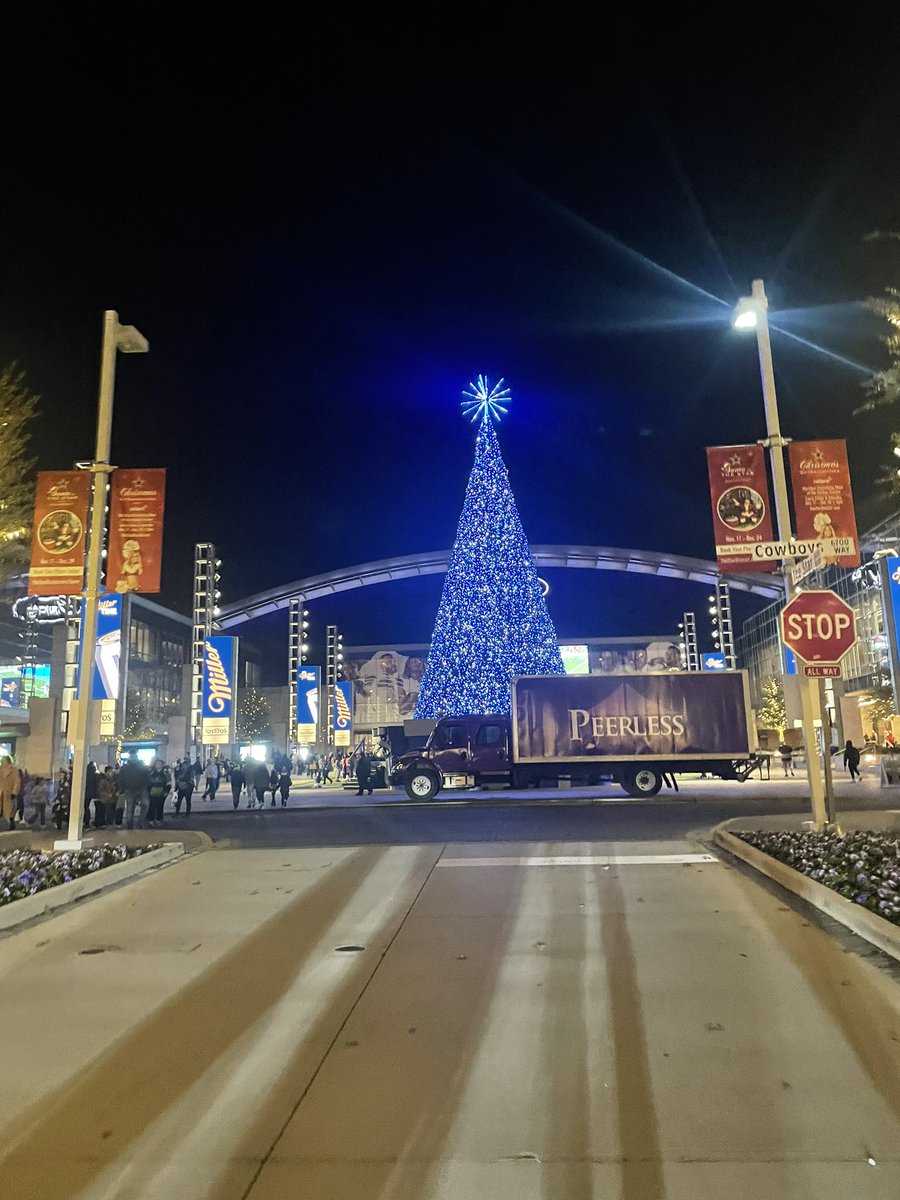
[880, 932]
[20, 911]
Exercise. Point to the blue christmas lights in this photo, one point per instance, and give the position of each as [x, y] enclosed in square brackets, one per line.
[482, 400]
[492, 622]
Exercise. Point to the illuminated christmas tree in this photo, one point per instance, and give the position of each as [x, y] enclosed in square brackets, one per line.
[492, 622]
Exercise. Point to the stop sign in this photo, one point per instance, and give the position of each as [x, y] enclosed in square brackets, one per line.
[819, 626]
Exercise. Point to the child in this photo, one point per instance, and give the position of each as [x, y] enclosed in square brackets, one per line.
[40, 797]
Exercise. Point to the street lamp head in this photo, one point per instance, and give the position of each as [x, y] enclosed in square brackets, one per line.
[130, 341]
[746, 314]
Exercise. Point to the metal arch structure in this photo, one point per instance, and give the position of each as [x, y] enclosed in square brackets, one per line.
[408, 566]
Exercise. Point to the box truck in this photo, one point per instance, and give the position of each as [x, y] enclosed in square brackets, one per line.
[635, 730]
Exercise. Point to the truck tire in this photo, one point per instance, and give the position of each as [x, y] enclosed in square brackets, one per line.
[422, 784]
[642, 781]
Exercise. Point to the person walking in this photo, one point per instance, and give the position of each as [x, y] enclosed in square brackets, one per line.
[284, 781]
[212, 779]
[261, 783]
[105, 800]
[134, 776]
[184, 786]
[158, 788]
[273, 784]
[363, 773]
[197, 768]
[851, 760]
[40, 796]
[9, 788]
[787, 758]
[237, 783]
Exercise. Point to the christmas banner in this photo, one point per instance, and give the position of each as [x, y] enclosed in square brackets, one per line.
[60, 533]
[740, 503]
[823, 502]
[134, 559]
[307, 705]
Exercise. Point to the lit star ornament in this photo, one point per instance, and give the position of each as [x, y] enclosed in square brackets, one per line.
[482, 400]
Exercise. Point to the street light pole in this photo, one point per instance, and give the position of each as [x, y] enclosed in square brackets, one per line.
[127, 339]
[753, 313]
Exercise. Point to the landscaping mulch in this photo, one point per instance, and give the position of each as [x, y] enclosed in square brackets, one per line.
[26, 872]
[863, 866]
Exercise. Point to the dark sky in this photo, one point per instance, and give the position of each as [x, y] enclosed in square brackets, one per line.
[326, 230]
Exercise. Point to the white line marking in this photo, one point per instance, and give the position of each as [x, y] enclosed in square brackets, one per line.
[582, 860]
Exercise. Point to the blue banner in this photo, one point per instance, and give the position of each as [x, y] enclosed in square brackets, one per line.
[343, 706]
[712, 660]
[307, 704]
[219, 663]
[107, 654]
[10, 687]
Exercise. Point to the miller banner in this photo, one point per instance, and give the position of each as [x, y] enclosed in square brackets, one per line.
[219, 676]
[108, 648]
[823, 502]
[307, 705]
[343, 712]
[742, 516]
[60, 523]
[134, 559]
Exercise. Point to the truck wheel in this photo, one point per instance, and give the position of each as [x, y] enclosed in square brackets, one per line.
[643, 781]
[422, 785]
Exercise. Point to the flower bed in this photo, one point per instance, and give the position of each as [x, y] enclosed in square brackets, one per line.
[26, 872]
[863, 866]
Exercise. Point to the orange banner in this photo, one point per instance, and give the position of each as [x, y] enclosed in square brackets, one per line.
[60, 533]
[740, 503]
[823, 501]
[134, 558]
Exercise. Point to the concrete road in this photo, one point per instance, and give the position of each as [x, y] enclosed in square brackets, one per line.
[549, 1021]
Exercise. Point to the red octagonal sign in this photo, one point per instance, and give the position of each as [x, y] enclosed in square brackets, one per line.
[819, 626]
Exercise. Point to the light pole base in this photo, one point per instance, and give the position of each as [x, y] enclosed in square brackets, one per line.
[78, 844]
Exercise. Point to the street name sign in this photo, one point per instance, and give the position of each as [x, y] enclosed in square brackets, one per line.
[819, 627]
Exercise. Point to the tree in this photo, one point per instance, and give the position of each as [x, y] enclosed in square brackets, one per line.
[18, 407]
[254, 719]
[772, 713]
[492, 622]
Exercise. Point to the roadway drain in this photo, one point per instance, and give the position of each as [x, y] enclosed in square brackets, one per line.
[348, 949]
[99, 949]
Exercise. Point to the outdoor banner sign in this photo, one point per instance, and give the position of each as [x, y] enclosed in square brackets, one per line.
[693, 714]
[890, 580]
[742, 515]
[343, 718]
[41, 610]
[10, 687]
[823, 502]
[108, 650]
[307, 705]
[713, 660]
[219, 675]
[134, 559]
[60, 527]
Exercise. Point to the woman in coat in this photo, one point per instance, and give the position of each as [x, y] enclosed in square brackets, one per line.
[9, 790]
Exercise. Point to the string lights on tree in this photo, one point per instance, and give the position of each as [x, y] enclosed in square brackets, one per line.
[492, 622]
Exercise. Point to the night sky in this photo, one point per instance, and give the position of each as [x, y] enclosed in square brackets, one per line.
[326, 231]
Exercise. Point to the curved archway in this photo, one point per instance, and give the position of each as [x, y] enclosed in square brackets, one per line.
[596, 558]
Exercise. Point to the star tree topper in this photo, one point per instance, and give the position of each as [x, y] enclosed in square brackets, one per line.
[483, 401]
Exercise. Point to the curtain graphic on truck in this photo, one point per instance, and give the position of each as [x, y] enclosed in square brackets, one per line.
[624, 717]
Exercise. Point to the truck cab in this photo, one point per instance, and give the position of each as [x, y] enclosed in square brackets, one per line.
[461, 752]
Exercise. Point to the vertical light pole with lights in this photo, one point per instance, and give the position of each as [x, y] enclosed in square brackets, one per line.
[205, 610]
[752, 313]
[298, 645]
[127, 340]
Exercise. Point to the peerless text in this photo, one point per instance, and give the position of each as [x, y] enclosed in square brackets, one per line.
[581, 722]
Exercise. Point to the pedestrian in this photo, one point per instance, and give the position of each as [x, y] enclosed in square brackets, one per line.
[198, 771]
[40, 796]
[363, 771]
[105, 800]
[237, 783]
[158, 788]
[284, 781]
[134, 776]
[184, 786]
[23, 792]
[261, 783]
[212, 779]
[851, 760]
[273, 783]
[9, 790]
[787, 758]
[60, 808]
